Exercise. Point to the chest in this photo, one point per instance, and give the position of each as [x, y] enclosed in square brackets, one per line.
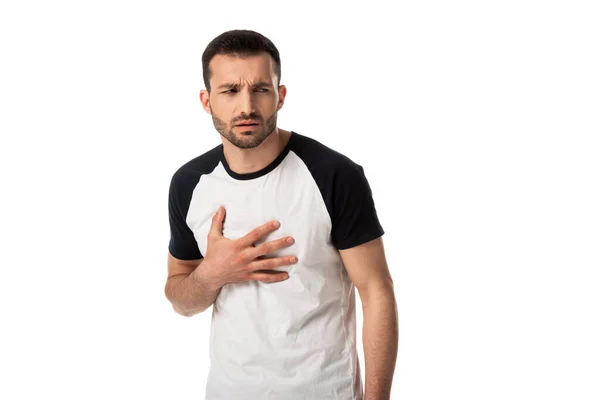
[286, 194]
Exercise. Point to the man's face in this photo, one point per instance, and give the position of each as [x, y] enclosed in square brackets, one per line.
[243, 91]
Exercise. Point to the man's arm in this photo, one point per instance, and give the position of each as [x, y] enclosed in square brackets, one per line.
[367, 268]
[188, 288]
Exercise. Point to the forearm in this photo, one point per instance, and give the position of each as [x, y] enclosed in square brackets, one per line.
[380, 342]
[192, 294]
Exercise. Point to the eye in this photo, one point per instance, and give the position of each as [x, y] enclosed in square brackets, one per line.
[264, 90]
[229, 91]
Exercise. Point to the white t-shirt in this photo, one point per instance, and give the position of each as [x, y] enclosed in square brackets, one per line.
[294, 339]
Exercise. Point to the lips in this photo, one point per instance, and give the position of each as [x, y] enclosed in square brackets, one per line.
[248, 123]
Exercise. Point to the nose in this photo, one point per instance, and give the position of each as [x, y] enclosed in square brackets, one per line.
[246, 102]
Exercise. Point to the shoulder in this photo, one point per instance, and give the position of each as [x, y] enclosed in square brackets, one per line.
[192, 170]
[320, 157]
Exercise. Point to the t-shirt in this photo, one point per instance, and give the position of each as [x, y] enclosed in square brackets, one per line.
[294, 339]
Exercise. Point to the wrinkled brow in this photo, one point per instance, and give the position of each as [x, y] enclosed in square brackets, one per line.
[237, 85]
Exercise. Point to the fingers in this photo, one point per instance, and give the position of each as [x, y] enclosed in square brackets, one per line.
[271, 263]
[269, 276]
[269, 247]
[255, 234]
[216, 227]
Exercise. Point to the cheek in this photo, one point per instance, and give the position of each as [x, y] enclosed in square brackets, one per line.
[222, 112]
[268, 105]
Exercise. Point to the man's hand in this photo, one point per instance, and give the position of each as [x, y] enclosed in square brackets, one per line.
[228, 261]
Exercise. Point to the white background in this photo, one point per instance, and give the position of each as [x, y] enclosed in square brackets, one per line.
[477, 124]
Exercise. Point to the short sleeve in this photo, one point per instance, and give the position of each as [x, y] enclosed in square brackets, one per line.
[354, 219]
[182, 244]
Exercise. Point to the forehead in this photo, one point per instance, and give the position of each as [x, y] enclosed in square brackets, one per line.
[231, 69]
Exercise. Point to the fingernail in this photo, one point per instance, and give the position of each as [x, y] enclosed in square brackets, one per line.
[290, 240]
[276, 224]
[293, 259]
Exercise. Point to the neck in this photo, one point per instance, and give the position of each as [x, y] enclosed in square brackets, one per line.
[245, 161]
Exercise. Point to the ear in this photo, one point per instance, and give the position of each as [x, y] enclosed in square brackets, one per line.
[205, 100]
[282, 94]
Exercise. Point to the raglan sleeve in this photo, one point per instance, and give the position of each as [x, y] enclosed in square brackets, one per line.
[182, 244]
[355, 219]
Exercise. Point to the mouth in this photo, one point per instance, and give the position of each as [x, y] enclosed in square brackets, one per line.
[248, 126]
[248, 123]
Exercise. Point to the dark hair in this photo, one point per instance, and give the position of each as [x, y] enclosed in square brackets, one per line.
[239, 43]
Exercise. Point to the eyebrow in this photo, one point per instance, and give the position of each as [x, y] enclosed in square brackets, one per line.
[236, 85]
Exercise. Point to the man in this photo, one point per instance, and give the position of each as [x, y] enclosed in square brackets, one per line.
[283, 321]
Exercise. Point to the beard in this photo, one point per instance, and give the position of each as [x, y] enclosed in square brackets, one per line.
[246, 139]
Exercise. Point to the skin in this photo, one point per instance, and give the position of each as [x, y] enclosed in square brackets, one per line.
[193, 286]
[367, 268]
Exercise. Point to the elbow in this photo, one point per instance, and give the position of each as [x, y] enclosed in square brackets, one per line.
[178, 308]
[186, 313]
[382, 293]
[179, 305]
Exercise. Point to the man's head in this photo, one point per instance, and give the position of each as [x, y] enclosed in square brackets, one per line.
[242, 72]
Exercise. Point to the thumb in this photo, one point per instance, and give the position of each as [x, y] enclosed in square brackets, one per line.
[216, 227]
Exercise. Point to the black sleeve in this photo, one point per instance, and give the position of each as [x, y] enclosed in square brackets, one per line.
[354, 219]
[182, 244]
